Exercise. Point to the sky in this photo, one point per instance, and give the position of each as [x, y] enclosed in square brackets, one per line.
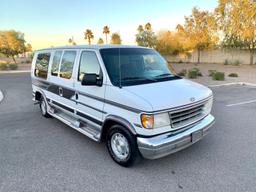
[48, 23]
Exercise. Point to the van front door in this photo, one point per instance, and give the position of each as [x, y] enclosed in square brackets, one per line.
[90, 98]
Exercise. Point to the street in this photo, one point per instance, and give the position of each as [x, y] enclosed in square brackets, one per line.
[39, 154]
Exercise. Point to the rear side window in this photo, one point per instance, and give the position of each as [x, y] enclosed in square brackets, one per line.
[67, 64]
[56, 63]
[88, 64]
[42, 63]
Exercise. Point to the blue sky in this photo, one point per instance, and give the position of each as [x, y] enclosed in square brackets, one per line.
[51, 22]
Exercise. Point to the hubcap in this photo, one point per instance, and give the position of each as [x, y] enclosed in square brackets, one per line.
[120, 146]
[43, 107]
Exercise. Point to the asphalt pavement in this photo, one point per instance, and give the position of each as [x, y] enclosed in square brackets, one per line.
[39, 154]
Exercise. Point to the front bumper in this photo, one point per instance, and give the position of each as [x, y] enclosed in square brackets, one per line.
[165, 144]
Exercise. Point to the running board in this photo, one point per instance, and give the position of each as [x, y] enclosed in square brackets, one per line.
[82, 127]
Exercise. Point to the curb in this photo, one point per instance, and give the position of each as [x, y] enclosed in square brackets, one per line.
[237, 83]
[19, 71]
[1, 96]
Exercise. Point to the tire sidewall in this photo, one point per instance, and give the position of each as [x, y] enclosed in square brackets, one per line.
[40, 104]
[133, 149]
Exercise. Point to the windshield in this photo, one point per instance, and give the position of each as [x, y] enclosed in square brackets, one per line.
[138, 66]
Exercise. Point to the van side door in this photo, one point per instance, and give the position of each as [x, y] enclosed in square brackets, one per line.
[62, 80]
[90, 98]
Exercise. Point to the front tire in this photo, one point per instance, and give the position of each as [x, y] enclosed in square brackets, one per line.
[43, 108]
[122, 146]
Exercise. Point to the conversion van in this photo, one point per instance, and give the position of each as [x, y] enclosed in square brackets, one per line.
[125, 96]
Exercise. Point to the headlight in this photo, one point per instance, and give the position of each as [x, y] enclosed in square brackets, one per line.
[150, 121]
[208, 106]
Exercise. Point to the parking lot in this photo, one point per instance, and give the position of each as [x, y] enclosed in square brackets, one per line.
[39, 154]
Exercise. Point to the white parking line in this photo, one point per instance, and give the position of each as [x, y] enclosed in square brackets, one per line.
[1, 96]
[242, 103]
[235, 83]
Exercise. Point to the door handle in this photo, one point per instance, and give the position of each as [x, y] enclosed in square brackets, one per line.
[61, 91]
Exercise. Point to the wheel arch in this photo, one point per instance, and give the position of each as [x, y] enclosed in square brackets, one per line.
[38, 94]
[115, 120]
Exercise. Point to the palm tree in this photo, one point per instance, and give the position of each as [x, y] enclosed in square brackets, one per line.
[148, 26]
[106, 31]
[71, 41]
[88, 35]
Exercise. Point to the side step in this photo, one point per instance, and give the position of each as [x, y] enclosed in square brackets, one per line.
[80, 126]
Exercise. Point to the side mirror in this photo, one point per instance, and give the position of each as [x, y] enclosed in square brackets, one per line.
[91, 79]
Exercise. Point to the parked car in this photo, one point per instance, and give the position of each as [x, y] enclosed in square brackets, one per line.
[125, 96]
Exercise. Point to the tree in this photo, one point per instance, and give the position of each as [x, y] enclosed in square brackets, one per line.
[100, 41]
[115, 38]
[237, 22]
[145, 36]
[71, 41]
[106, 31]
[12, 43]
[199, 30]
[28, 48]
[88, 35]
[140, 28]
[168, 43]
[148, 26]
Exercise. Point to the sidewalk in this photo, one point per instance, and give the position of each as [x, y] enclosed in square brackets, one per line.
[246, 73]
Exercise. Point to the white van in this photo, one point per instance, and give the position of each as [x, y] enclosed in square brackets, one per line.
[123, 95]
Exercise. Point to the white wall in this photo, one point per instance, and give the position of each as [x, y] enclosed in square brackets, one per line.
[215, 56]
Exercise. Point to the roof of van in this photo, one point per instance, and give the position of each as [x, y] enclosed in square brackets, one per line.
[91, 47]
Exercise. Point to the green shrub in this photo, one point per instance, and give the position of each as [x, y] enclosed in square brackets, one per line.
[198, 71]
[3, 67]
[218, 76]
[28, 61]
[211, 72]
[13, 66]
[192, 74]
[182, 73]
[237, 62]
[233, 75]
[226, 62]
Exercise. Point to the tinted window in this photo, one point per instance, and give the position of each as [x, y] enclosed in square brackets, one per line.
[132, 66]
[88, 64]
[42, 63]
[67, 64]
[56, 63]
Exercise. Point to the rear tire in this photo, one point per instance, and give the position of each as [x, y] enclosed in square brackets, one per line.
[43, 107]
[122, 146]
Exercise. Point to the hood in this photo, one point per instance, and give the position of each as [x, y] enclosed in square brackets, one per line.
[169, 94]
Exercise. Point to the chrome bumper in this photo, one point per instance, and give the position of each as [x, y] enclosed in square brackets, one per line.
[165, 144]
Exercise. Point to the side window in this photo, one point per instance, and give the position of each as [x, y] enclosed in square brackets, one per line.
[88, 64]
[56, 63]
[67, 64]
[42, 63]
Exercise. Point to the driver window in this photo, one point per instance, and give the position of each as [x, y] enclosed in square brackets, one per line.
[88, 64]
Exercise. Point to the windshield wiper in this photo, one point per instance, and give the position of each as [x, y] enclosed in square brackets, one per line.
[164, 75]
[138, 78]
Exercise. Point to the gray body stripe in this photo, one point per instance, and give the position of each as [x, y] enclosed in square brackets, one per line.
[135, 110]
[37, 83]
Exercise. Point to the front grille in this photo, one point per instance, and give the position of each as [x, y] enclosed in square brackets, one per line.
[186, 116]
